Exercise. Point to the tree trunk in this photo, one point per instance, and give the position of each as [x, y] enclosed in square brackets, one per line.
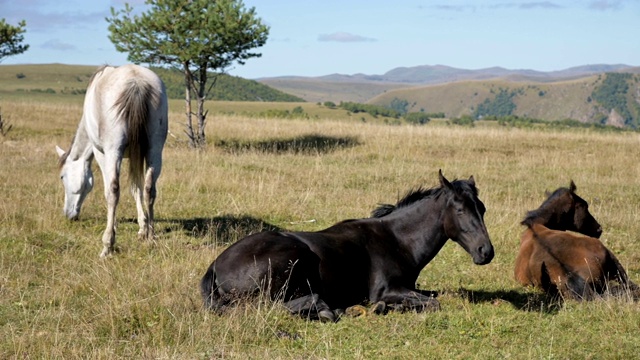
[202, 115]
[188, 79]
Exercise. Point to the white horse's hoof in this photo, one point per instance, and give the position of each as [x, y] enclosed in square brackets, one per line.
[106, 252]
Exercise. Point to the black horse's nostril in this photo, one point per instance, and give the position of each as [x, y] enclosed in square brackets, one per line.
[486, 254]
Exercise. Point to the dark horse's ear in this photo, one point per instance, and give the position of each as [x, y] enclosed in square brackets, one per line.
[443, 181]
[572, 187]
[472, 181]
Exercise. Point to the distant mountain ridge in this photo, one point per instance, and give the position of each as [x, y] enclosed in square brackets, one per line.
[438, 74]
[363, 88]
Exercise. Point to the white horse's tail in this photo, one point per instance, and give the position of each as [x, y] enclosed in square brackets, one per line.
[134, 107]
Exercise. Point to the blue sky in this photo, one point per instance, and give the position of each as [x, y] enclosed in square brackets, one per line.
[320, 37]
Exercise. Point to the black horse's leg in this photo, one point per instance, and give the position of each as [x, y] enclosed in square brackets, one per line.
[405, 300]
[429, 293]
[312, 307]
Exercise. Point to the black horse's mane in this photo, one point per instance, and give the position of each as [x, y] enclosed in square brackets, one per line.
[420, 193]
[544, 210]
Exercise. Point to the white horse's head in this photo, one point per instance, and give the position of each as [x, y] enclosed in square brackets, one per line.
[77, 179]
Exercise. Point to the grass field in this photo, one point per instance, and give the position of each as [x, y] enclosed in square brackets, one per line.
[59, 300]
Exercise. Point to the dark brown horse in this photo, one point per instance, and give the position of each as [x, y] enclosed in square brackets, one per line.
[377, 259]
[558, 262]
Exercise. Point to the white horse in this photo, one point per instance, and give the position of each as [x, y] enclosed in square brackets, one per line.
[125, 114]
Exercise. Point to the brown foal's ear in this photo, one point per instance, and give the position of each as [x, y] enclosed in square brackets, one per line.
[472, 181]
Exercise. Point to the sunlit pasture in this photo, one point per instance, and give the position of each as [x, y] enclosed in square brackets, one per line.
[58, 299]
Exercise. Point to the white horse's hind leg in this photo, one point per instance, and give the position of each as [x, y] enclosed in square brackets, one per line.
[143, 215]
[145, 197]
[154, 167]
[149, 199]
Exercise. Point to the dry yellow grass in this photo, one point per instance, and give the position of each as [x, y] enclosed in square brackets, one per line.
[59, 300]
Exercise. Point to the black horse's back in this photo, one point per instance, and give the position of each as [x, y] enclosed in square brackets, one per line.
[272, 262]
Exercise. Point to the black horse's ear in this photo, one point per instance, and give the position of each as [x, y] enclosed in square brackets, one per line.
[472, 181]
[443, 181]
[572, 186]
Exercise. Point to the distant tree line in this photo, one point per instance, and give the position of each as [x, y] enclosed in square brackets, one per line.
[296, 113]
[417, 118]
[464, 120]
[398, 109]
[612, 94]
[526, 122]
[228, 88]
[399, 105]
[501, 105]
[373, 110]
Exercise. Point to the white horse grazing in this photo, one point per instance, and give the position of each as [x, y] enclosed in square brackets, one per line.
[125, 114]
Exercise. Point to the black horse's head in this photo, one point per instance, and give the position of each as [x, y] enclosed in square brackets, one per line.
[464, 219]
[565, 210]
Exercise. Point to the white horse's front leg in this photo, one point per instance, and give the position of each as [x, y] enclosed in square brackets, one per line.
[111, 175]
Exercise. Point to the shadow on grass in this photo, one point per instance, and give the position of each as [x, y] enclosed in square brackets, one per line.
[221, 230]
[534, 302]
[310, 144]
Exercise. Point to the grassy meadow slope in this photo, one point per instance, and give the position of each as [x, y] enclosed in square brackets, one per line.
[320, 90]
[550, 101]
[59, 300]
[57, 77]
[73, 79]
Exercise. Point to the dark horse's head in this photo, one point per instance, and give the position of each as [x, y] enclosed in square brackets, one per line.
[565, 210]
[461, 214]
[464, 219]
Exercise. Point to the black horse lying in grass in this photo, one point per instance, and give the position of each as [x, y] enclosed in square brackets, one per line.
[561, 263]
[378, 259]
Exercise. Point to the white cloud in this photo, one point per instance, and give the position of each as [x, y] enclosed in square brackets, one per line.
[526, 5]
[344, 37]
[604, 5]
[55, 44]
[540, 4]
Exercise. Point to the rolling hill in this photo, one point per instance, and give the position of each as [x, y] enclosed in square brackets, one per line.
[576, 99]
[557, 95]
[566, 99]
